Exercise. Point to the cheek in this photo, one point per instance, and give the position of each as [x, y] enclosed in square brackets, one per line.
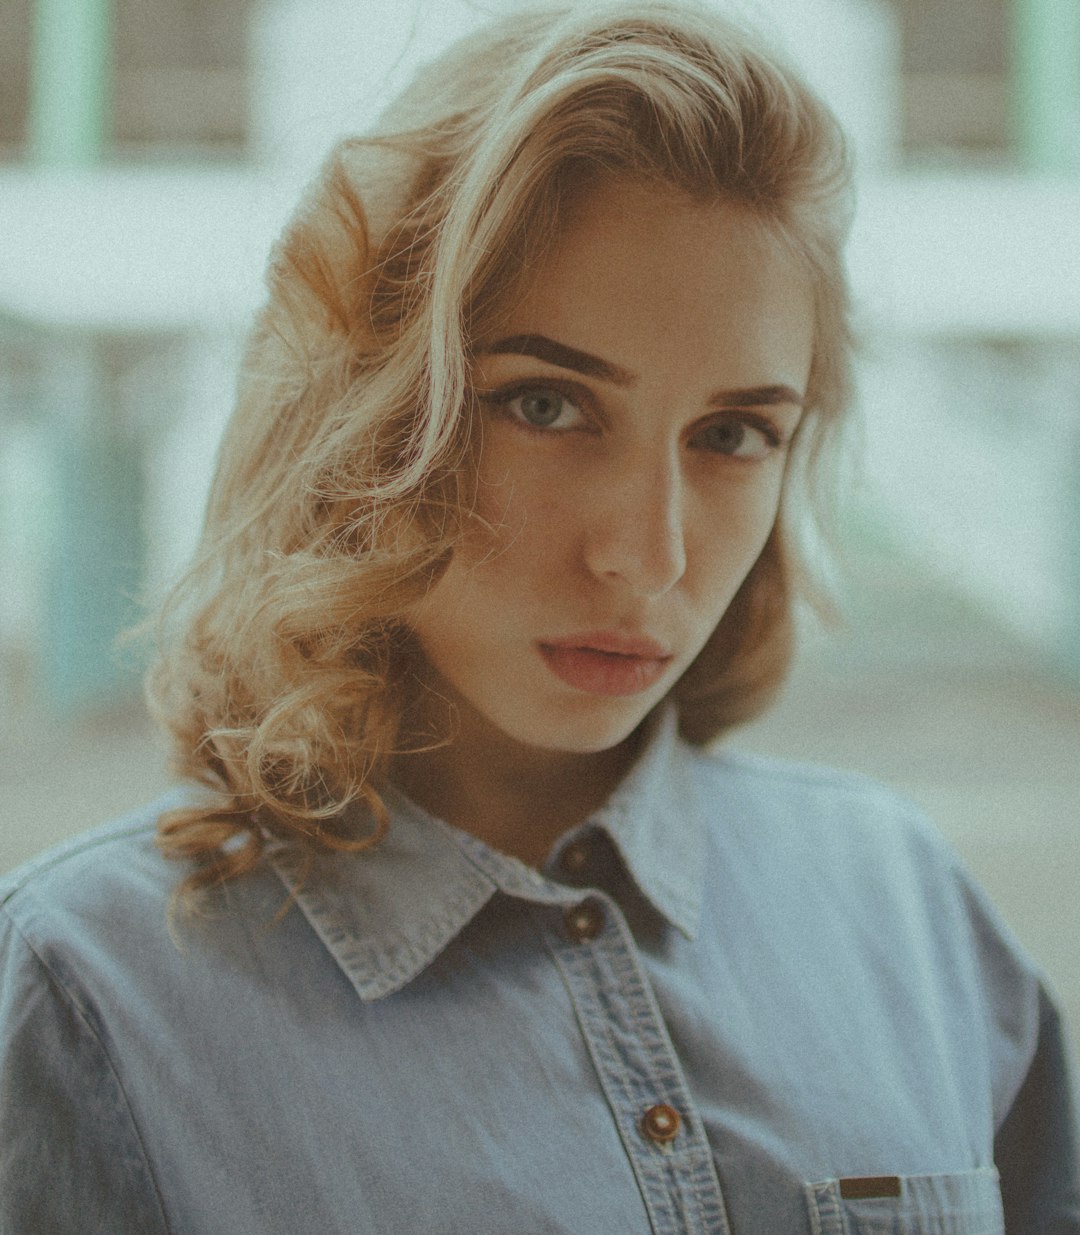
[527, 513]
[516, 546]
[727, 534]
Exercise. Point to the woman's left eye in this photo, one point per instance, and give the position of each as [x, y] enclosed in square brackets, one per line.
[538, 407]
[739, 438]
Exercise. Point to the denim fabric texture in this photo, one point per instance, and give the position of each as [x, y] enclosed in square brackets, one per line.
[744, 998]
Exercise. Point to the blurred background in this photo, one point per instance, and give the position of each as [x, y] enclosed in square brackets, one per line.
[151, 149]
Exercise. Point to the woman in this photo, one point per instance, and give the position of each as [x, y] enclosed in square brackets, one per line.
[472, 933]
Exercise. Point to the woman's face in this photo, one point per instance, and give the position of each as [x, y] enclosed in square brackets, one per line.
[636, 405]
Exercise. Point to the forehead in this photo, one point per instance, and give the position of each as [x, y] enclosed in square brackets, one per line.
[648, 276]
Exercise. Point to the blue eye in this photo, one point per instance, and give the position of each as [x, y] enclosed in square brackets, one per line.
[539, 407]
[533, 406]
[738, 439]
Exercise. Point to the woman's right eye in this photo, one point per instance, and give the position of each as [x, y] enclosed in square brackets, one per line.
[538, 407]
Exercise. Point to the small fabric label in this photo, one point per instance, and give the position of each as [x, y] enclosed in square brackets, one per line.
[868, 1187]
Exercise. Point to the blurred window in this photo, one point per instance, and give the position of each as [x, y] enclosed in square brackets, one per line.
[179, 83]
[956, 77]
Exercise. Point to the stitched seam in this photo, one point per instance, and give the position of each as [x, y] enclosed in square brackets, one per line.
[84, 1020]
[35, 866]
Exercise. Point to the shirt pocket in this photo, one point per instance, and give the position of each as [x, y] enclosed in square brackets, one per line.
[963, 1204]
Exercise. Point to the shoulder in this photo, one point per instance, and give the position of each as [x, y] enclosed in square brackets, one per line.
[101, 870]
[82, 917]
[93, 948]
[828, 808]
[855, 848]
[99, 905]
[79, 926]
[859, 850]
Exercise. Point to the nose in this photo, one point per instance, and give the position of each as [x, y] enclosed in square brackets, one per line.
[635, 529]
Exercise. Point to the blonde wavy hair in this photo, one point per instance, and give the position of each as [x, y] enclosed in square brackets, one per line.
[344, 478]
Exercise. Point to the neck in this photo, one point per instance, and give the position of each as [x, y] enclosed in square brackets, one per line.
[515, 798]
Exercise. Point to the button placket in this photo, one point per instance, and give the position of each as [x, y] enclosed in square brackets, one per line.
[640, 1074]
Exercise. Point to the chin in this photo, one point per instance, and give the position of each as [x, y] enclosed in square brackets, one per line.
[598, 726]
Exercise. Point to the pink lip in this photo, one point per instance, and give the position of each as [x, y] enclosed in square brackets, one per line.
[605, 662]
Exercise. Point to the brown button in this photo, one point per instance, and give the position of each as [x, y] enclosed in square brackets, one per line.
[661, 1123]
[584, 921]
[575, 857]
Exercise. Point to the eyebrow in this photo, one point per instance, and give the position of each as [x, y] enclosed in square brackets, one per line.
[552, 352]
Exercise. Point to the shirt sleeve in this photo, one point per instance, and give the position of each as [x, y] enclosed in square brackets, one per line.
[70, 1155]
[1037, 1148]
[1037, 1106]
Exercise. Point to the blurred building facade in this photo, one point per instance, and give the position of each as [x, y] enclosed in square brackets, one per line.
[177, 77]
[180, 75]
[133, 245]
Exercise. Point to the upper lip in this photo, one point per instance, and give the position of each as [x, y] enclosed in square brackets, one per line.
[611, 641]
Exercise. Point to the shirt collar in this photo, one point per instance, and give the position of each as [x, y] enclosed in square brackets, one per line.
[386, 913]
[656, 823]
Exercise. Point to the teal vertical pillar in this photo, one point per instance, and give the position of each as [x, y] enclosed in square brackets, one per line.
[1072, 579]
[1046, 84]
[95, 548]
[1046, 132]
[70, 82]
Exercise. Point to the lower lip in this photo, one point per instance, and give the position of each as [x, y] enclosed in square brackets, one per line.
[602, 673]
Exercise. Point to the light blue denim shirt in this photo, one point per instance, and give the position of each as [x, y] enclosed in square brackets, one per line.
[744, 997]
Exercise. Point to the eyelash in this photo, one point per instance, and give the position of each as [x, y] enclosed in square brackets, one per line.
[500, 398]
[749, 420]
